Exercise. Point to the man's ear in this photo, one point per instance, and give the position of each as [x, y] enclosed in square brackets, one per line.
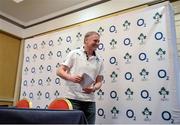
[85, 40]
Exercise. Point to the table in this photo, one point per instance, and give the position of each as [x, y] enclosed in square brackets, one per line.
[41, 116]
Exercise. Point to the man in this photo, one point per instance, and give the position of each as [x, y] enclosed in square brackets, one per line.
[78, 62]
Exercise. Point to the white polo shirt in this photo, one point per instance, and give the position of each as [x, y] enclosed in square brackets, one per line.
[77, 61]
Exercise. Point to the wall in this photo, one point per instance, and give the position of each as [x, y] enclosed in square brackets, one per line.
[10, 28]
[9, 56]
[80, 16]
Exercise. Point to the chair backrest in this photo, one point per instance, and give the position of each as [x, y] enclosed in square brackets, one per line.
[24, 103]
[60, 103]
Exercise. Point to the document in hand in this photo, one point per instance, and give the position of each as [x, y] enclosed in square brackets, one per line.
[86, 81]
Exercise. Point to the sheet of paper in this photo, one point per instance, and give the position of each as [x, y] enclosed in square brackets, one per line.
[87, 80]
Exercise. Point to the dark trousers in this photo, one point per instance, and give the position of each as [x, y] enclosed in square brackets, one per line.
[89, 109]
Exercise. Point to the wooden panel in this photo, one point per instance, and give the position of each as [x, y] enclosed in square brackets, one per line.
[6, 103]
[9, 54]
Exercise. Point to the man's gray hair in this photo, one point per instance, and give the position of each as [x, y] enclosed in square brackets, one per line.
[90, 33]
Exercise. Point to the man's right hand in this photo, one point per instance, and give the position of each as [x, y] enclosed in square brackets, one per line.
[63, 72]
[75, 78]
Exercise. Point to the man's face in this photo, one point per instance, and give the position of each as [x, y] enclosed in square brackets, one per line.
[92, 42]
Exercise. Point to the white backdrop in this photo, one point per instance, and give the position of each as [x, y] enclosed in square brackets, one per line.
[138, 52]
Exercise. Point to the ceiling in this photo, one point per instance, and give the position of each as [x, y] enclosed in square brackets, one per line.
[33, 12]
[30, 12]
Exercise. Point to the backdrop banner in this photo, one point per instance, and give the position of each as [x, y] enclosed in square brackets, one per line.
[139, 53]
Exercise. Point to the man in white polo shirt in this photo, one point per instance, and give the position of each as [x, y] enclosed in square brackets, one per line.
[80, 67]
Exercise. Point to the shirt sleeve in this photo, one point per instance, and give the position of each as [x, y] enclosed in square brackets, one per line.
[68, 61]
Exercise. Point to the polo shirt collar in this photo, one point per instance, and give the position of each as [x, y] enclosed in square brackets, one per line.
[82, 48]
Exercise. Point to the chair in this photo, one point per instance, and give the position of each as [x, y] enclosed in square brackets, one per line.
[24, 103]
[61, 103]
